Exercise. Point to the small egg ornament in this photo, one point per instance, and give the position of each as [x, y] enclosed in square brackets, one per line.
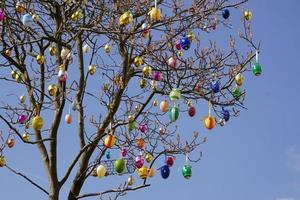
[185, 43]
[125, 18]
[139, 161]
[236, 92]
[2, 15]
[37, 123]
[20, 7]
[178, 45]
[210, 122]
[225, 115]
[148, 157]
[130, 180]
[62, 75]
[187, 171]
[147, 71]
[7, 52]
[119, 166]
[52, 89]
[173, 113]
[86, 48]
[107, 48]
[101, 171]
[143, 83]
[175, 94]
[156, 76]
[172, 62]
[92, 69]
[239, 79]
[26, 137]
[146, 29]
[138, 61]
[140, 143]
[10, 143]
[165, 171]
[64, 53]
[151, 172]
[124, 152]
[247, 15]
[192, 111]
[170, 161]
[222, 122]
[52, 50]
[35, 17]
[143, 172]
[143, 127]
[107, 155]
[155, 14]
[40, 59]
[2, 161]
[256, 69]
[154, 84]
[130, 118]
[164, 106]
[215, 86]
[27, 20]
[161, 131]
[22, 118]
[109, 140]
[191, 36]
[68, 118]
[131, 126]
[14, 74]
[225, 14]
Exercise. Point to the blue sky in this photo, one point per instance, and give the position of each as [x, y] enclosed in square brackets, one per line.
[255, 156]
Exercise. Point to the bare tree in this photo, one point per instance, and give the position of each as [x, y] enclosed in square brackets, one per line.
[139, 51]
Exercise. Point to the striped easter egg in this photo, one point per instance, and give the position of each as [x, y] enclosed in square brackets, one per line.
[173, 114]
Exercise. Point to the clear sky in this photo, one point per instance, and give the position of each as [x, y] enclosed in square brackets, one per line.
[255, 156]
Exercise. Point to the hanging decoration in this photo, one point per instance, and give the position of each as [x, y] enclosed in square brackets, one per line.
[37, 123]
[172, 62]
[191, 110]
[247, 15]
[239, 79]
[151, 172]
[130, 180]
[92, 69]
[225, 13]
[256, 67]
[126, 18]
[164, 106]
[143, 127]
[120, 166]
[143, 172]
[170, 161]
[186, 169]
[165, 171]
[209, 121]
[139, 161]
[101, 171]
[10, 142]
[185, 43]
[155, 13]
[2, 161]
[236, 92]
[148, 157]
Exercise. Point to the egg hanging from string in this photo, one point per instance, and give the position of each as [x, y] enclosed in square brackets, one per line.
[139, 161]
[146, 30]
[62, 75]
[92, 69]
[125, 18]
[120, 166]
[247, 15]
[165, 171]
[187, 171]
[2, 161]
[131, 126]
[239, 79]
[210, 122]
[143, 172]
[130, 180]
[191, 36]
[52, 50]
[225, 115]
[22, 118]
[20, 7]
[236, 92]
[143, 127]
[173, 113]
[156, 75]
[2, 15]
[170, 161]
[143, 83]
[172, 62]
[37, 123]
[40, 59]
[155, 14]
[140, 143]
[256, 69]
[151, 172]
[10, 143]
[185, 43]
[124, 152]
[192, 111]
[25, 137]
[27, 20]
[107, 155]
[109, 140]
[215, 86]
[175, 94]
[101, 171]
[68, 118]
[164, 106]
[22, 99]
[138, 61]
[178, 45]
[7, 52]
[147, 70]
[86, 48]
[225, 13]
[107, 48]
[148, 157]
[64, 53]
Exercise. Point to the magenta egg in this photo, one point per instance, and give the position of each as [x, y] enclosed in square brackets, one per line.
[22, 118]
[139, 161]
[2, 15]
[178, 45]
[172, 62]
[143, 127]
[124, 152]
[156, 76]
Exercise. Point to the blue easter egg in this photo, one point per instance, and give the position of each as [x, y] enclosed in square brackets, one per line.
[215, 86]
[185, 43]
[27, 20]
[226, 14]
[225, 115]
[165, 171]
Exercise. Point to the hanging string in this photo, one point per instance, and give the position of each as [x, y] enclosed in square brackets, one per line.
[186, 158]
[155, 3]
[256, 56]
[69, 108]
[209, 108]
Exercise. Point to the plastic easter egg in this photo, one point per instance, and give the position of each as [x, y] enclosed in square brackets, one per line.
[68, 118]
[26, 137]
[155, 102]
[256, 69]
[247, 15]
[108, 156]
[130, 180]
[156, 76]
[146, 29]
[14, 74]
[153, 84]
[124, 152]
[173, 114]
[101, 171]
[37, 123]
[191, 36]
[143, 127]
[86, 48]
[10, 143]
[175, 94]
[225, 115]
[138, 61]
[239, 79]
[7, 52]
[35, 17]
[187, 171]
[131, 126]
[64, 53]
[143, 83]
[225, 14]
[148, 157]
[215, 86]
[62, 75]
[130, 118]
[164, 106]
[172, 62]
[139, 161]
[170, 161]
[22, 118]
[154, 14]
[222, 122]
[119, 166]
[40, 59]
[52, 50]
[161, 131]
[192, 111]
[147, 70]
[140, 143]
[125, 18]
[109, 141]
[107, 48]
[20, 7]
[2, 15]
[165, 171]
[143, 172]
[92, 69]
[27, 20]
[185, 43]
[210, 122]
[2, 161]
[151, 172]
[236, 92]
[178, 45]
